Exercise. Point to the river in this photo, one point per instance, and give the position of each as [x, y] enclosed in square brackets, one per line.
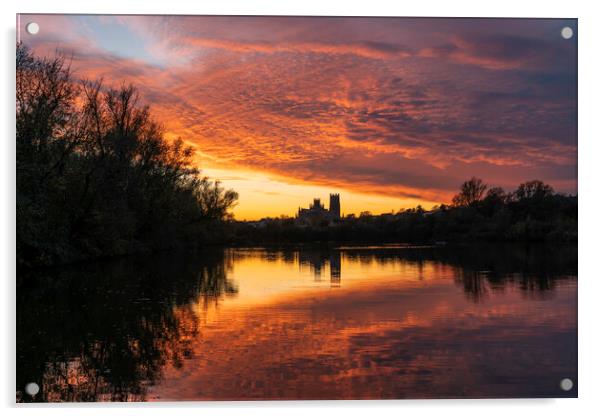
[307, 322]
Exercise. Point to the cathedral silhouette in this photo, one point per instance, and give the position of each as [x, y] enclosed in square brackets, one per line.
[316, 213]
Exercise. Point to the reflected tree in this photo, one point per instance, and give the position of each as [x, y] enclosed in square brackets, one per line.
[105, 331]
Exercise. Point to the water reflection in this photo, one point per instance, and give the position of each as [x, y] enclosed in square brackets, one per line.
[320, 260]
[264, 323]
[104, 331]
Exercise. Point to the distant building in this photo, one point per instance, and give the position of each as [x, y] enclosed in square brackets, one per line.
[316, 214]
[335, 206]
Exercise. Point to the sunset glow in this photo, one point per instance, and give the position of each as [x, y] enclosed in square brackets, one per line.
[388, 112]
[416, 303]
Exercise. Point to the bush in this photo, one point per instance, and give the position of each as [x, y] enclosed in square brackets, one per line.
[95, 177]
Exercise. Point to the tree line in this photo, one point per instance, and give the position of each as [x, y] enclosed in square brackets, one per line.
[97, 178]
[95, 175]
[532, 212]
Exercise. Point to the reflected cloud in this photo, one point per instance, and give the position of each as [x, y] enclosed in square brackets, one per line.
[327, 322]
[386, 340]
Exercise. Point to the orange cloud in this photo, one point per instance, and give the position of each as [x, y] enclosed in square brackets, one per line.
[344, 103]
[373, 50]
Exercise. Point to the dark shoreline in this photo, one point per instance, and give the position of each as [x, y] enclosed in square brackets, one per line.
[183, 252]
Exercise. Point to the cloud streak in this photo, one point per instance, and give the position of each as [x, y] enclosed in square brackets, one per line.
[367, 49]
[399, 107]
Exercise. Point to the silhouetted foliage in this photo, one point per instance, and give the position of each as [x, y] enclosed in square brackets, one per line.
[534, 212]
[471, 192]
[95, 177]
[533, 190]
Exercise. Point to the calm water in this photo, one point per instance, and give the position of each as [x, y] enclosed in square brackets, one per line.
[304, 323]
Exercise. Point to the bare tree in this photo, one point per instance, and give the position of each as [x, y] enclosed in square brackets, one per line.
[471, 192]
[214, 200]
[533, 189]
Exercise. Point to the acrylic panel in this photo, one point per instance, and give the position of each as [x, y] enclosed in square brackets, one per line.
[295, 208]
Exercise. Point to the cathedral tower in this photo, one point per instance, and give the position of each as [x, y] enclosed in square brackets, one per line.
[335, 206]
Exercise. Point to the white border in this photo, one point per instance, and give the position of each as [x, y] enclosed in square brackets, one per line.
[590, 203]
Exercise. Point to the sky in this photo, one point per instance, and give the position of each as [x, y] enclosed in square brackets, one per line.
[388, 112]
